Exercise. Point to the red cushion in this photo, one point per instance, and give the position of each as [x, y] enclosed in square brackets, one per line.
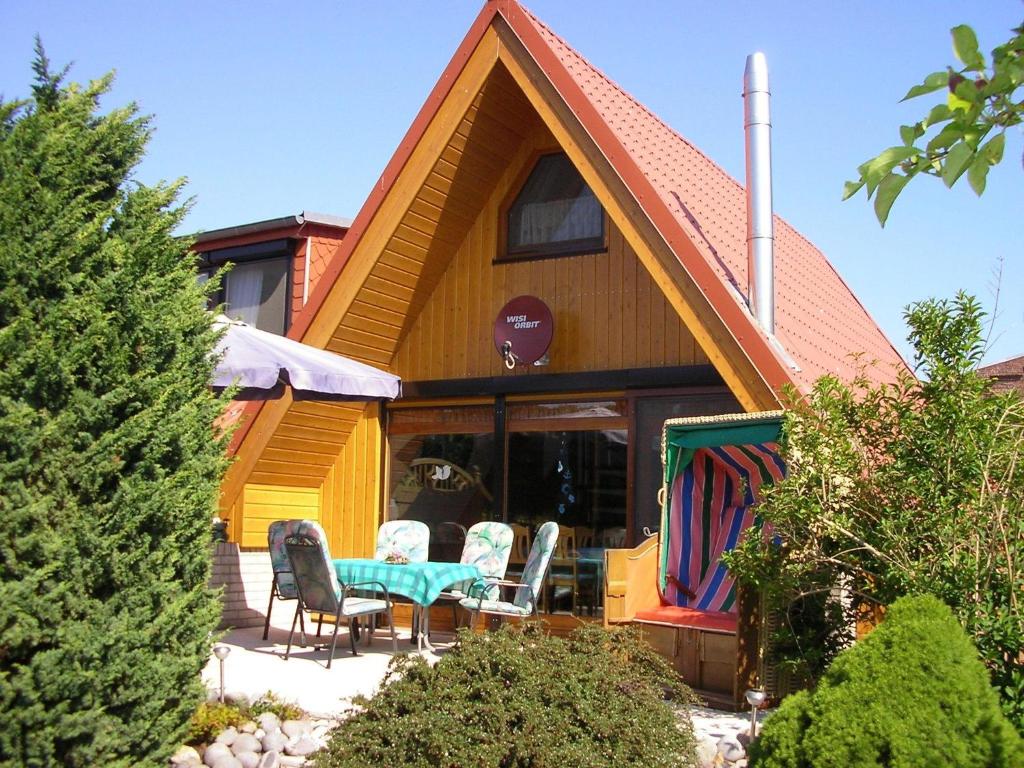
[679, 616]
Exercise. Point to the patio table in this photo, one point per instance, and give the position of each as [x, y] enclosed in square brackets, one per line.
[420, 582]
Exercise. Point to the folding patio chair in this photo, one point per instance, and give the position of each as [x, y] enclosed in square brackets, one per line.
[283, 585]
[321, 592]
[488, 546]
[526, 592]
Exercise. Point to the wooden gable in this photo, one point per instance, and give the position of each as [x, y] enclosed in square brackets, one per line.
[419, 291]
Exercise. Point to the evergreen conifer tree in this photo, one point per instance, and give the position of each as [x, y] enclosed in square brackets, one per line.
[109, 464]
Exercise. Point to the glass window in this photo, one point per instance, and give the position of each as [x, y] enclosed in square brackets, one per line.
[651, 415]
[442, 472]
[567, 462]
[256, 292]
[555, 213]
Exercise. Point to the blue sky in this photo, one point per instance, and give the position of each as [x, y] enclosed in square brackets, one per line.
[270, 109]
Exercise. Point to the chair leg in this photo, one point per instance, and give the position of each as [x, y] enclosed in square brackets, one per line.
[319, 624]
[394, 636]
[266, 624]
[302, 629]
[455, 615]
[298, 610]
[334, 639]
[352, 638]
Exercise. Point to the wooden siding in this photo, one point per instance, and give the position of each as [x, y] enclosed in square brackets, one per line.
[608, 312]
[490, 137]
[306, 444]
[266, 503]
[352, 490]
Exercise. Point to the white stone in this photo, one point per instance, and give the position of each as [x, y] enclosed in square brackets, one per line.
[293, 728]
[302, 745]
[227, 762]
[707, 751]
[214, 752]
[246, 742]
[249, 726]
[259, 733]
[292, 761]
[270, 759]
[186, 755]
[227, 736]
[248, 759]
[269, 721]
[730, 749]
[274, 740]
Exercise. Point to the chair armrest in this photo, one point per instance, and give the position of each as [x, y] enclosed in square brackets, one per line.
[501, 583]
[347, 587]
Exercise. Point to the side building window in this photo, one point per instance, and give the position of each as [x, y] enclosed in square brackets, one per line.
[255, 289]
[554, 214]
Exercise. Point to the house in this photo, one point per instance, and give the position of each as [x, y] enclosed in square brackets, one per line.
[553, 272]
[277, 264]
[1006, 375]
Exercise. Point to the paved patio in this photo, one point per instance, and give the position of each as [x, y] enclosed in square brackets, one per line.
[255, 666]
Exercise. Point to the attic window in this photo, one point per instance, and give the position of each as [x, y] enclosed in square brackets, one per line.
[555, 213]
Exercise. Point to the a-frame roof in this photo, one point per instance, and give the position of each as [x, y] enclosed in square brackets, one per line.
[696, 207]
[695, 210]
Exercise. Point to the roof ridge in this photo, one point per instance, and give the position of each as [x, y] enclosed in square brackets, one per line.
[647, 110]
[643, 107]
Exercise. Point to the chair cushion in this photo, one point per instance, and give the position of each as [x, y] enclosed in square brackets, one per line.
[493, 606]
[360, 606]
[680, 616]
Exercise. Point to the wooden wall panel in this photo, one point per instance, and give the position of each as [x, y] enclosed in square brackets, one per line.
[306, 444]
[266, 503]
[352, 489]
[608, 312]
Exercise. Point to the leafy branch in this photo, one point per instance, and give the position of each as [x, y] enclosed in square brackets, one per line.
[964, 134]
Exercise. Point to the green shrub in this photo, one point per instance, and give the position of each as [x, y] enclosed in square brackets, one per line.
[109, 463]
[210, 719]
[269, 702]
[912, 693]
[517, 697]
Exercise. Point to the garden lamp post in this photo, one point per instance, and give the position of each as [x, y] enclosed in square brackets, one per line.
[221, 652]
[755, 698]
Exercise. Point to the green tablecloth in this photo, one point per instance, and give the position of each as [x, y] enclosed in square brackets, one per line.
[420, 582]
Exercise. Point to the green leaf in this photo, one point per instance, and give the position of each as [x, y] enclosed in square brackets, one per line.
[977, 173]
[938, 114]
[850, 188]
[875, 169]
[947, 137]
[965, 46]
[888, 190]
[908, 133]
[956, 163]
[993, 148]
[933, 82]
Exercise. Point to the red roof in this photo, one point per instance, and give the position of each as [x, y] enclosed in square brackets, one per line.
[819, 321]
[1005, 375]
[696, 206]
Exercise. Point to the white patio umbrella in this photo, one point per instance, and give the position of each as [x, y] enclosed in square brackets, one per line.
[255, 359]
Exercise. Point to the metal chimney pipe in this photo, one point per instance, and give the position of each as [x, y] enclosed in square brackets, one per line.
[760, 227]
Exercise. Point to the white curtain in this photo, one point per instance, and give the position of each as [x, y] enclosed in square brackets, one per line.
[244, 289]
[559, 220]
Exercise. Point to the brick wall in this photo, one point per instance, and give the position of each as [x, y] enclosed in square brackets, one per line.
[245, 578]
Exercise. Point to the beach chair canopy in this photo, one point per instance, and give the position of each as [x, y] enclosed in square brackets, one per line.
[714, 469]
